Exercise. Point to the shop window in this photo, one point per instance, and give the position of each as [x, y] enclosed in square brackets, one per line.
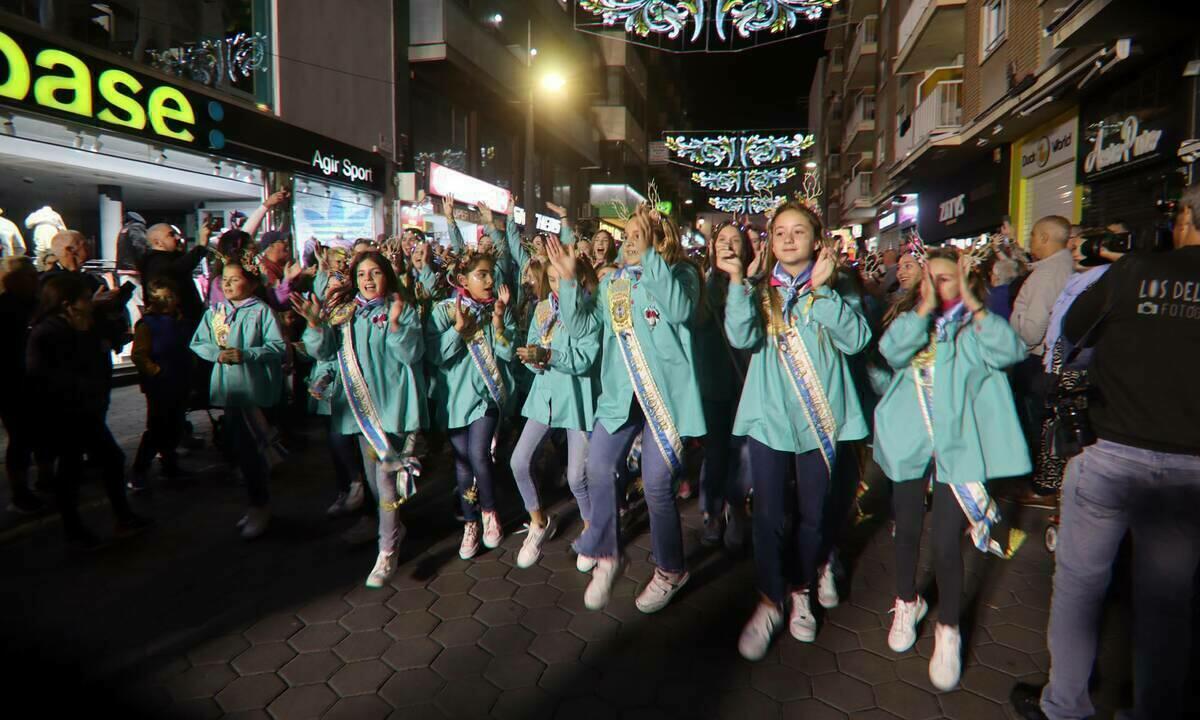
[439, 131]
[995, 24]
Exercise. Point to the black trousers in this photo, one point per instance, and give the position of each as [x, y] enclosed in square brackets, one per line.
[949, 522]
[165, 416]
[90, 436]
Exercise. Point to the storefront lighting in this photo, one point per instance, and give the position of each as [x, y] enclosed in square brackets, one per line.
[981, 142]
[688, 202]
[810, 165]
[998, 129]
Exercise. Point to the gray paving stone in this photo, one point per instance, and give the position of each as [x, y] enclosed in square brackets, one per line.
[460, 631]
[810, 710]
[506, 640]
[526, 703]
[327, 609]
[494, 589]
[488, 570]
[853, 618]
[203, 681]
[471, 697]
[843, 692]
[253, 692]
[268, 657]
[412, 687]
[457, 663]
[593, 626]
[411, 653]
[199, 709]
[780, 682]
[360, 707]
[905, 701]
[309, 701]
[568, 679]
[410, 600]
[273, 628]
[499, 613]
[360, 678]
[555, 647]
[1013, 662]
[535, 575]
[362, 595]
[745, 703]
[411, 625]
[446, 585]
[533, 596]
[218, 651]
[514, 671]
[807, 658]
[964, 705]
[317, 637]
[866, 666]
[310, 668]
[546, 619]
[454, 606]
[428, 711]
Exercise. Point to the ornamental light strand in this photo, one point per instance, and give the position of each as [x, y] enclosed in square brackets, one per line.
[740, 150]
[671, 18]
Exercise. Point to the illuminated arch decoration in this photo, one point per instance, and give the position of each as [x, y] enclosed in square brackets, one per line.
[740, 150]
[746, 204]
[702, 25]
[735, 181]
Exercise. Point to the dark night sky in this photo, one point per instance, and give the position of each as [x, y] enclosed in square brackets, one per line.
[766, 87]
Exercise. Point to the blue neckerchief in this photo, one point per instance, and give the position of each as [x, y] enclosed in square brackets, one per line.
[633, 271]
[478, 309]
[950, 320]
[365, 307]
[231, 309]
[792, 287]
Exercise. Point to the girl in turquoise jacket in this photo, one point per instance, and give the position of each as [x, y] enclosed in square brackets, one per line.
[949, 355]
[562, 396]
[649, 388]
[471, 339]
[242, 338]
[797, 404]
[374, 335]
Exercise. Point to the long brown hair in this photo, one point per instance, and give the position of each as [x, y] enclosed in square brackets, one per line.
[912, 297]
[768, 266]
[346, 293]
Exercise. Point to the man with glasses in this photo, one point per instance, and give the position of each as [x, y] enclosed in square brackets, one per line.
[1141, 476]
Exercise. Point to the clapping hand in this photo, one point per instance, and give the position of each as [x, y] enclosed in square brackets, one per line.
[394, 311]
[464, 320]
[825, 267]
[973, 303]
[928, 295]
[728, 262]
[308, 308]
[230, 356]
[561, 258]
[501, 305]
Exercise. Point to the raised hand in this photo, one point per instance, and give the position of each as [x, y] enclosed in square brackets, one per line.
[464, 321]
[760, 257]
[973, 303]
[291, 271]
[395, 310]
[558, 210]
[501, 304]
[562, 259]
[308, 308]
[276, 198]
[485, 214]
[825, 267]
[728, 262]
[928, 295]
[448, 207]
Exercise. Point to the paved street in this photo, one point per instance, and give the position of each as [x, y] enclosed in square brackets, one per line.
[190, 621]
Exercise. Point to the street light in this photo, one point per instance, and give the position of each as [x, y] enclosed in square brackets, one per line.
[553, 82]
[810, 165]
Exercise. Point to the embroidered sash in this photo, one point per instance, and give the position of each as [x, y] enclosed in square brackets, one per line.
[546, 317]
[654, 407]
[806, 384]
[222, 318]
[978, 506]
[362, 406]
[485, 362]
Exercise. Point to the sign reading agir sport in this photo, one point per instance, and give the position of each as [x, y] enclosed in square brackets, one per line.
[443, 181]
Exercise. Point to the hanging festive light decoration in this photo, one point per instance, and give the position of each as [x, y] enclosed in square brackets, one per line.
[733, 181]
[672, 17]
[746, 204]
[740, 150]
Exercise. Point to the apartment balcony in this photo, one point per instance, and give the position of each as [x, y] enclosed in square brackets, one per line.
[859, 134]
[856, 10]
[856, 197]
[939, 114]
[835, 68]
[617, 124]
[835, 36]
[860, 66]
[932, 34]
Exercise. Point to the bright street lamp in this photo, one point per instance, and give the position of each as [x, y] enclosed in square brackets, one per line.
[553, 82]
[810, 165]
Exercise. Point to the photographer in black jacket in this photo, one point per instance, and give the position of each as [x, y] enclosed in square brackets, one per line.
[1141, 476]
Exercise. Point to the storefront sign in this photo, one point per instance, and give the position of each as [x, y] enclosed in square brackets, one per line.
[45, 78]
[968, 202]
[886, 221]
[1049, 150]
[1121, 144]
[443, 181]
[545, 223]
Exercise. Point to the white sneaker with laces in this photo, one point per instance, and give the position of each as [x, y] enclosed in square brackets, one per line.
[257, 520]
[492, 533]
[759, 631]
[660, 591]
[802, 624]
[470, 541]
[827, 594]
[354, 500]
[945, 667]
[338, 508]
[585, 564]
[385, 565]
[599, 590]
[531, 549]
[905, 616]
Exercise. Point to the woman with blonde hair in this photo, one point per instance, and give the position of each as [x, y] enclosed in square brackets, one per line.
[648, 388]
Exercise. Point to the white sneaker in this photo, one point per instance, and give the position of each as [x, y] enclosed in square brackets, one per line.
[827, 594]
[945, 666]
[492, 533]
[338, 508]
[366, 530]
[242, 523]
[470, 541]
[585, 564]
[257, 520]
[385, 565]
[660, 591]
[531, 549]
[759, 631]
[905, 616]
[599, 590]
[802, 624]
[354, 500]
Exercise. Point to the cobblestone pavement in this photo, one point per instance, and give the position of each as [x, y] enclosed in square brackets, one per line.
[189, 621]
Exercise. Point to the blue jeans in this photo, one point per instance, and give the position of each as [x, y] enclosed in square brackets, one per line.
[789, 503]
[723, 476]
[605, 455]
[472, 447]
[383, 486]
[532, 438]
[1108, 490]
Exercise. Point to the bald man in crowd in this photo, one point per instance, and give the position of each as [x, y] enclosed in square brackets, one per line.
[166, 259]
[70, 251]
